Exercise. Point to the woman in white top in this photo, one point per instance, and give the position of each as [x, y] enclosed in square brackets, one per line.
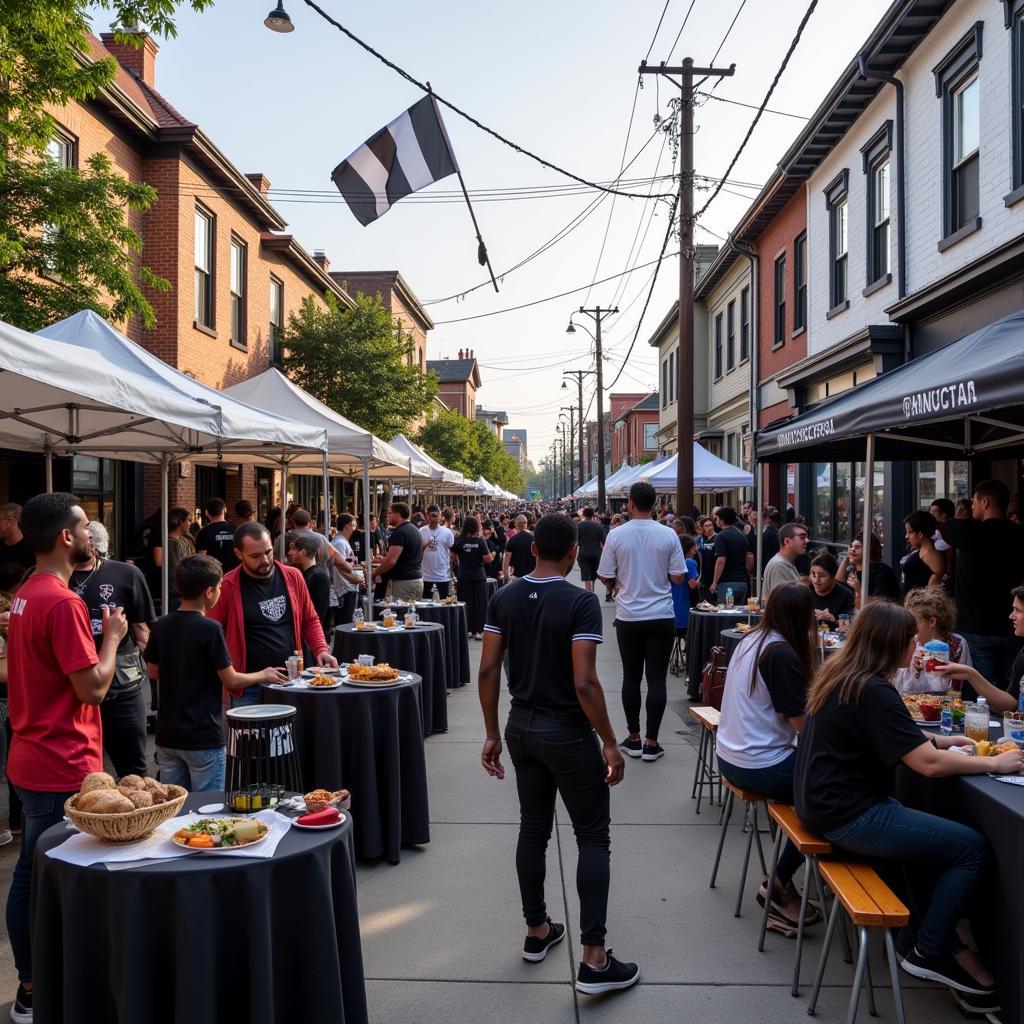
[762, 713]
[935, 613]
[345, 580]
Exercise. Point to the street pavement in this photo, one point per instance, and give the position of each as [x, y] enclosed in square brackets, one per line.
[442, 931]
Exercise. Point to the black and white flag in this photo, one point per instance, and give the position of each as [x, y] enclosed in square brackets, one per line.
[408, 154]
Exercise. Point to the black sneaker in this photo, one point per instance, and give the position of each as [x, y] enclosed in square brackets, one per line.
[988, 1003]
[535, 949]
[614, 976]
[943, 969]
[652, 753]
[634, 748]
[21, 1008]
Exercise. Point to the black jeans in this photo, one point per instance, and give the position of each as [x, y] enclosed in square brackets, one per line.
[443, 589]
[346, 608]
[550, 756]
[474, 593]
[645, 648]
[124, 733]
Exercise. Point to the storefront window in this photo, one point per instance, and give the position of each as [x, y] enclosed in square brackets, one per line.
[821, 523]
[844, 511]
[958, 480]
[93, 481]
[930, 482]
[877, 499]
[791, 472]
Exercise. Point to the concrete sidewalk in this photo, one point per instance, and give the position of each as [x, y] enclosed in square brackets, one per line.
[443, 932]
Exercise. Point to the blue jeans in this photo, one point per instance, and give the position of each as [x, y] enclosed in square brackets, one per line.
[250, 695]
[993, 657]
[38, 812]
[346, 607]
[776, 783]
[941, 862]
[739, 593]
[200, 771]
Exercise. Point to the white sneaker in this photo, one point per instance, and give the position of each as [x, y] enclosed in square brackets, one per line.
[6, 837]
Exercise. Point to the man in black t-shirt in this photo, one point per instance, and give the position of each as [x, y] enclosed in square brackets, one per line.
[731, 550]
[591, 543]
[402, 567]
[13, 546]
[217, 537]
[519, 556]
[551, 630]
[302, 549]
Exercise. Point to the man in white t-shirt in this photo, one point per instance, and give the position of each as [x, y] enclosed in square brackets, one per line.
[437, 553]
[644, 557]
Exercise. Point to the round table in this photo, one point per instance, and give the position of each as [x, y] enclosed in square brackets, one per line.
[702, 633]
[731, 639]
[202, 939]
[370, 742]
[419, 650]
[456, 637]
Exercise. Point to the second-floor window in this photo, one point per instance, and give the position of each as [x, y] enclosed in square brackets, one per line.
[800, 282]
[672, 379]
[730, 348]
[744, 324]
[650, 437]
[964, 179]
[718, 346]
[276, 320]
[780, 300]
[238, 293]
[838, 242]
[880, 221]
[664, 384]
[877, 182]
[204, 268]
[62, 150]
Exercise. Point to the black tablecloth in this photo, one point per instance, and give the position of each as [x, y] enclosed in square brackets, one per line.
[369, 742]
[200, 939]
[702, 633]
[731, 640]
[456, 638]
[420, 650]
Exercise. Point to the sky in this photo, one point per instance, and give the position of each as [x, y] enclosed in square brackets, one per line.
[559, 79]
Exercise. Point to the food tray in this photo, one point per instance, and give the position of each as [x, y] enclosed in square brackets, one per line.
[128, 826]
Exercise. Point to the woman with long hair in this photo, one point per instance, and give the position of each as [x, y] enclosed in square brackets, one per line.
[925, 565]
[762, 713]
[471, 554]
[856, 731]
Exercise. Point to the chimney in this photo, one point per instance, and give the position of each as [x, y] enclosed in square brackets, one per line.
[462, 355]
[472, 354]
[138, 60]
[321, 260]
[260, 180]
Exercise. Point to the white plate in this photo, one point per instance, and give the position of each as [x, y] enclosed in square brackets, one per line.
[318, 828]
[218, 849]
[210, 809]
[374, 686]
[310, 673]
[333, 686]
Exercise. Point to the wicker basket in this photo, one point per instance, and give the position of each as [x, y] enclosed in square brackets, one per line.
[129, 826]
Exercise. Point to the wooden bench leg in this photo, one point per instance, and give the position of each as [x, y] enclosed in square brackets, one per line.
[768, 892]
[894, 976]
[726, 815]
[833, 918]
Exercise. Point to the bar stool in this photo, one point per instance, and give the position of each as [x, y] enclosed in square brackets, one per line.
[705, 773]
[262, 761]
[750, 804]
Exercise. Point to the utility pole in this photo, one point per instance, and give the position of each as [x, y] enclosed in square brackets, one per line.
[684, 381]
[572, 437]
[578, 376]
[597, 315]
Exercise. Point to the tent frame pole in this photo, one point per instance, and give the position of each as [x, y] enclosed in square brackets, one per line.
[284, 509]
[867, 529]
[368, 597]
[49, 470]
[165, 579]
[327, 496]
[760, 526]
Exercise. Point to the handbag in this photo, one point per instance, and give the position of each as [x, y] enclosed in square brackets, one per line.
[712, 683]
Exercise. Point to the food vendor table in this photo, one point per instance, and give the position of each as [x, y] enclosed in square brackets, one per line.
[420, 650]
[702, 633]
[456, 637]
[370, 742]
[202, 938]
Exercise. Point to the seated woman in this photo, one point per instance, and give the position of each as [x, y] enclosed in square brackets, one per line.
[829, 597]
[856, 730]
[935, 613]
[925, 565]
[882, 581]
[762, 712]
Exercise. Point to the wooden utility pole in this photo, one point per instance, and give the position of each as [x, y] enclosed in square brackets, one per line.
[684, 380]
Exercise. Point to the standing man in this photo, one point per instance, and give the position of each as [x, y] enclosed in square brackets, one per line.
[243, 513]
[989, 564]
[437, 541]
[265, 610]
[402, 567]
[731, 550]
[217, 537]
[104, 583]
[550, 631]
[591, 544]
[56, 682]
[781, 567]
[13, 546]
[645, 559]
[302, 549]
[519, 556]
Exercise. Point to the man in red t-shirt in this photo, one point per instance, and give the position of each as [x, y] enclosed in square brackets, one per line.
[56, 681]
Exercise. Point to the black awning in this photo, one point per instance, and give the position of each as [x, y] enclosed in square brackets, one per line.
[964, 399]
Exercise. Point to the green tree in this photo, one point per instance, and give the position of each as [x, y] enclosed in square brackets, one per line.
[64, 240]
[471, 448]
[357, 362]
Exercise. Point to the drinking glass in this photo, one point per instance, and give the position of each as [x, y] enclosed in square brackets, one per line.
[976, 720]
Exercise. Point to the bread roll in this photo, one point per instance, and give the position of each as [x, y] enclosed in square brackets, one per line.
[131, 782]
[150, 784]
[160, 794]
[111, 803]
[86, 801]
[97, 780]
[140, 798]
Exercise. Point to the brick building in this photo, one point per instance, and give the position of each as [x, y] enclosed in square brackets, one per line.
[458, 381]
[619, 405]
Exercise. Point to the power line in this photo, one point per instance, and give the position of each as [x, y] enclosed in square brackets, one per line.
[679, 34]
[751, 106]
[728, 32]
[658, 29]
[462, 113]
[761, 109]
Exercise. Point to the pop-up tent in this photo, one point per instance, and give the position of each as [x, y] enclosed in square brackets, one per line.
[710, 473]
[438, 474]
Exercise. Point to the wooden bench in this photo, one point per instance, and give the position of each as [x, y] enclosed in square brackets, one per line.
[811, 847]
[705, 773]
[869, 903]
[750, 805]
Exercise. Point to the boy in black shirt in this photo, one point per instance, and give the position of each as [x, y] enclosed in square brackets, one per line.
[188, 655]
[550, 630]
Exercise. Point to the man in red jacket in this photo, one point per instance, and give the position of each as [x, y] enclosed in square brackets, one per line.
[265, 610]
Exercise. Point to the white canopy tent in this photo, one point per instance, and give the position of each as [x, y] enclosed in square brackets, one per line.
[710, 473]
[441, 477]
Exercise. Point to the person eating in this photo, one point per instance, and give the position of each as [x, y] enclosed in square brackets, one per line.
[829, 597]
[935, 614]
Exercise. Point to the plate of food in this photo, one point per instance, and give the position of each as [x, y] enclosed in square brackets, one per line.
[924, 708]
[320, 799]
[216, 835]
[324, 681]
[372, 675]
[309, 673]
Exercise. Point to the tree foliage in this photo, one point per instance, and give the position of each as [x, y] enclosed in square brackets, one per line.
[64, 240]
[471, 448]
[356, 361]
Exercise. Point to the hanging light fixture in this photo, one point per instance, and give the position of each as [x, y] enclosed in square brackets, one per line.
[571, 329]
[278, 20]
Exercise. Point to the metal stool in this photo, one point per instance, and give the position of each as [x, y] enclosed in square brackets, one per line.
[750, 805]
[262, 760]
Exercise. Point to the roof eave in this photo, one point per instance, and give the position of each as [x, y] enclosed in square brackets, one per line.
[305, 263]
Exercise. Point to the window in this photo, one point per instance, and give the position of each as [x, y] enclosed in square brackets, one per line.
[238, 293]
[664, 384]
[730, 348]
[718, 346]
[957, 84]
[650, 437]
[780, 300]
[879, 254]
[839, 242]
[672, 379]
[276, 321]
[1014, 18]
[744, 325]
[204, 268]
[62, 149]
[800, 283]
[877, 170]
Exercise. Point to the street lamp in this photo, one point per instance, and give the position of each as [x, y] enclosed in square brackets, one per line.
[572, 436]
[278, 20]
[578, 375]
[560, 430]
